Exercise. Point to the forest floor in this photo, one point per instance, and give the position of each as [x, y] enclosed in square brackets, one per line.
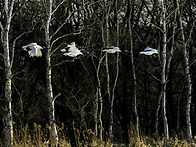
[40, 137]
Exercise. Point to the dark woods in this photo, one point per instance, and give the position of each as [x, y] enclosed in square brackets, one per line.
[83, 86]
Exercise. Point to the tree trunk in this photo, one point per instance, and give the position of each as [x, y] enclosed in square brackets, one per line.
[166, 74]
[101, 107]
[105, 43]
[8, 9]
[96, 107]
[99, 103]
[163, 74]
[133, 69]
[116, 78]
[8, 96]
[51, 98]
[187, 75]
[157, 115]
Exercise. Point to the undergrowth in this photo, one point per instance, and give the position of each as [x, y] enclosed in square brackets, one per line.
[39, 136]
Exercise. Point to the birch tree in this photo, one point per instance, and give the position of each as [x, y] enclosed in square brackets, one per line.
[98, 103]
[49, 41]
[105, 38]
[6, 16]
[131, 2]
[99, 100]
[96, 108]
[163, 73]
[117, 73]
[167, 68]
[106, 10]
[51, 98]
[187, 75]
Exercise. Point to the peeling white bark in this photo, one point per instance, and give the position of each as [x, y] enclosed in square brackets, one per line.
[96, 112]
[8, 9]
[51, 98]
[188, 77]
[100, 103]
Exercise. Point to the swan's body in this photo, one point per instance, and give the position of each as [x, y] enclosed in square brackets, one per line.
[149, 51]
[71, 50]
[111, 49]
[33, 49]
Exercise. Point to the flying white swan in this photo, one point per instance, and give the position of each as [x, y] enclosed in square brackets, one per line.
[71, 50]
[33, 49]
[149, 51]
[111, 49]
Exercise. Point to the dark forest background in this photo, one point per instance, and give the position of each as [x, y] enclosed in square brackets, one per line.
[84, 23]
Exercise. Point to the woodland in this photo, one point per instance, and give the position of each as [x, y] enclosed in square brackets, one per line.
[97, 96]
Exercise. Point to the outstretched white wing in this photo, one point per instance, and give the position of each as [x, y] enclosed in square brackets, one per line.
[33, 49]
[111, 49]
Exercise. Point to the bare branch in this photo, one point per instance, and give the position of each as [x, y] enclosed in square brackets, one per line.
[68, 17]
[63, 24]
[191, 31]
[18, 9]
[56, 96]
[57, 7]
[6, 7]
[11, 8]
[193, 62]
[63, 36]
[14, 44]
[64, 62]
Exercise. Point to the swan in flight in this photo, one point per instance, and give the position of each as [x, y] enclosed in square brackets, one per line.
[149, 51]
[111, 49]
[33, 49]
[71, 50]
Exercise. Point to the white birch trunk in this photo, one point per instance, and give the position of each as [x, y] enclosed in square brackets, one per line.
[8, 96]
[188, 77]
[166, 76]
[100, 115]
[116, 78]
[51, 98]
[96, 107]
[133, 71]
[8, 9]
[112, 99]
[106, 44]
[106, 57]
[101, 105]
[163, 76]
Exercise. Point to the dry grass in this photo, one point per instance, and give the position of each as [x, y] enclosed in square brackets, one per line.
[146, 141]
[39, 136]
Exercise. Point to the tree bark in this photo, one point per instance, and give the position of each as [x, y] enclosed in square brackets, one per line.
[131, 2]
[157, 115]
[8, 95]
[163, 74]
[96, 107]
[168, 61]
[187, 75]
[51, 98]
[116, 78]
[8, 9]
[100, 103]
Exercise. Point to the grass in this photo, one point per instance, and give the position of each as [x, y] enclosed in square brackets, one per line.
[39, 136]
